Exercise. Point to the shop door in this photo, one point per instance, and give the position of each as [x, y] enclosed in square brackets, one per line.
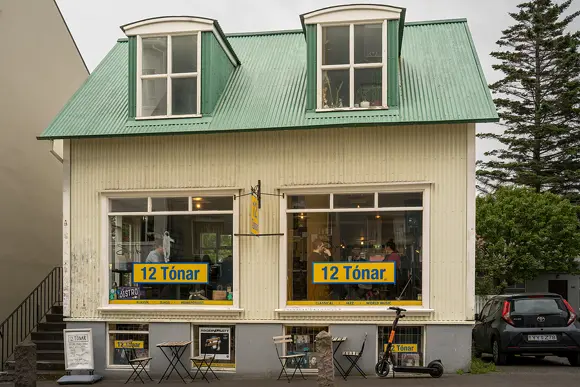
[559, 287]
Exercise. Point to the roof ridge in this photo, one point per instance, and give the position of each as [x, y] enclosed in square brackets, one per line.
[440, 21]
[258, 33]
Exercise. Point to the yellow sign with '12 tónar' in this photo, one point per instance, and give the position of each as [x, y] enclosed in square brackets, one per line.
[129, 344]
[403, 348]
[353, 273]
[171, 273]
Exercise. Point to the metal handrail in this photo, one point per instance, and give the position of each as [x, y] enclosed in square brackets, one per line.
[26, 317]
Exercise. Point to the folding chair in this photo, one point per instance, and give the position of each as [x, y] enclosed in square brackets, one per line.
[205, 360]
[353, 357]
[296, 358]
[138, 364]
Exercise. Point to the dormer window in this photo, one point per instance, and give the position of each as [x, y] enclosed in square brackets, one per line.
[353, 66]
[169, 78]
[353, 57]
[166, 67]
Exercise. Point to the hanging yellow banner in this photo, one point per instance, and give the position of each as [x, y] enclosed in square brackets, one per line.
[254, 216]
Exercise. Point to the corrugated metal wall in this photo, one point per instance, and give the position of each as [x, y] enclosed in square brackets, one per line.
[282, 158]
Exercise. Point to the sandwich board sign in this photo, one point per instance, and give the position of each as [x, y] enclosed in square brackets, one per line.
[79, 356]
[78, 350]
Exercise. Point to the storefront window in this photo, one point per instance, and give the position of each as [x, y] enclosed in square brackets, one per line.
[408, 345]
[123, 335]
[218, 340]
[365, 249]
[303, 343]
[175, 251]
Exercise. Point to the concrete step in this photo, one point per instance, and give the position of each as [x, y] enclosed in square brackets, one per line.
[56, 309]
[49, 345]
[6, 377]
[44, 354]
[54, 317]
[51, 335]
[51, 326]
[42, 365]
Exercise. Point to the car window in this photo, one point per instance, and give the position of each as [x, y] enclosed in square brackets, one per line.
[494, 309]
[485, 311]
[538, 305]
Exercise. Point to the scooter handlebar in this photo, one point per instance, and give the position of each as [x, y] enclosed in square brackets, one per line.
[399, 310]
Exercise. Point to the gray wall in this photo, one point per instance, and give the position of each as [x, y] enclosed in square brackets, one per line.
[449, 343]
[255, 351]
[355, 335]
[540, 284]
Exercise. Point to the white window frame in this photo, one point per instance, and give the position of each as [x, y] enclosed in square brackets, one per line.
[423, 187]
[109, 364]
[168, 76]
[351, 66]
[105, 197]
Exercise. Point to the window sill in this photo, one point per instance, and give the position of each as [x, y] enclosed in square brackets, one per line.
[367, 310]
[168, 117]
[348, 109]
[203, 309]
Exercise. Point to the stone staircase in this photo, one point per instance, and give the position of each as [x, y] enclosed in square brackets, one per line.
[49, 341]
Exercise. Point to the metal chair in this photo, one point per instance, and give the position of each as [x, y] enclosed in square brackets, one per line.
[205, 360]
[138, 364]
[353, 357]
[297, 358]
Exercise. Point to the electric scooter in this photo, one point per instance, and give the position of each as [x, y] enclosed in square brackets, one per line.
[386, 363]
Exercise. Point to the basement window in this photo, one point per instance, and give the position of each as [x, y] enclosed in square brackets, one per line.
[168, 83]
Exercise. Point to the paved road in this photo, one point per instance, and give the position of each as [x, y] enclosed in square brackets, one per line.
[525, 372]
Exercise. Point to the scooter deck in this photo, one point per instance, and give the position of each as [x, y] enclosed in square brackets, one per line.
[415, 370]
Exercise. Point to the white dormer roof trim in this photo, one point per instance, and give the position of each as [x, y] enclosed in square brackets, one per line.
[168, 25]
[352, 13]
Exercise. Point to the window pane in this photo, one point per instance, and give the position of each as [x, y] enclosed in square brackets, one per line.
[216, 203]
[184, 54]
[169, 240]
[308, 201]
[354, 201]
[169, 204]
[225, 241]
[128, 205]
[355, 237]
[154, 56]
[335, 89]
[406, 199]
[154, 97]
[184, 96]
[368, 87]
[120, 349]
[335, 43]
[368, 43]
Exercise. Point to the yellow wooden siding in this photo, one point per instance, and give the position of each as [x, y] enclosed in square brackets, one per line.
[434, 153]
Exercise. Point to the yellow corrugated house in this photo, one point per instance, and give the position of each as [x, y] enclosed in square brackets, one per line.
[244, 186]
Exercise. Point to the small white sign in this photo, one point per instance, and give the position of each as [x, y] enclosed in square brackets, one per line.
[78, 349]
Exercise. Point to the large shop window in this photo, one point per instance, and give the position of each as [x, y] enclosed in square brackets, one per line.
[123, 335]
[176, 250]
[355, 249]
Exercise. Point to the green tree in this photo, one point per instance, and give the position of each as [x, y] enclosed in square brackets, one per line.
[539, 103]
[521, 234]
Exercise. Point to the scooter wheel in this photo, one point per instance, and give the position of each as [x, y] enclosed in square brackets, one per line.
[436, 369]
[382, 369]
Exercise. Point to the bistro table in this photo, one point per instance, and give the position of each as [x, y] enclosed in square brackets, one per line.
[338, 341]
[173, 350]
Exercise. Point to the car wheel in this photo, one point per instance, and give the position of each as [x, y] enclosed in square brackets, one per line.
[574, 360]
[474, 351]
[499, 358]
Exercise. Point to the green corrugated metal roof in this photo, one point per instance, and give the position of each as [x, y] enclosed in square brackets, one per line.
[441, 81]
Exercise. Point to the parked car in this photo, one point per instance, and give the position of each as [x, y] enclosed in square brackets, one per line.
[529, 324]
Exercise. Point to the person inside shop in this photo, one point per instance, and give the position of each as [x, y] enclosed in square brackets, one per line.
[391, 253]
[156, 255]
[320, 253]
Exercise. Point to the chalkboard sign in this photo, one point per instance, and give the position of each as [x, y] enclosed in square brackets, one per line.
[78, 350]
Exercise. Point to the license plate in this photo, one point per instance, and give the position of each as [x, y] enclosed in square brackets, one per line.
[542, 338]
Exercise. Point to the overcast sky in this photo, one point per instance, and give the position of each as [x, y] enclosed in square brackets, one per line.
[95, 24]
